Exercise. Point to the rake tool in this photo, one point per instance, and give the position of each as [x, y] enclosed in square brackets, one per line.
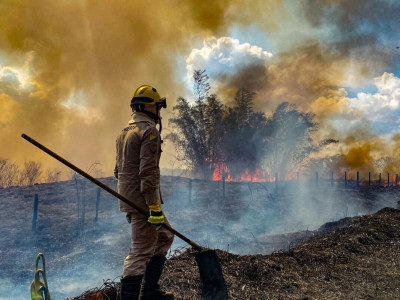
[214, 286]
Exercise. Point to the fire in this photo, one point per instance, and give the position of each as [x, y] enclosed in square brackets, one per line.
[221, 171]
[258, 176]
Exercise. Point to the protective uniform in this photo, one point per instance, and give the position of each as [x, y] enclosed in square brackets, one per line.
[138, 173]
[138, 149]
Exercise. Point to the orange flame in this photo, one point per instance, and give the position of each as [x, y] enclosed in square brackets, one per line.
[259, 175]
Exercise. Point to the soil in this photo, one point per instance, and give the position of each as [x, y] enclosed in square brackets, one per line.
[353, 258]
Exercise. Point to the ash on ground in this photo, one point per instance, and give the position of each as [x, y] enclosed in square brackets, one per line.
[354, 258]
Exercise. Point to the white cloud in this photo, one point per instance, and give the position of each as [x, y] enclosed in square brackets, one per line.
[19, 76]
[377, 112]
[225, 55]
[384, 105]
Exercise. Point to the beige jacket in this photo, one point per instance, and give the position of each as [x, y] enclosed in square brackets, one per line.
[137, 163]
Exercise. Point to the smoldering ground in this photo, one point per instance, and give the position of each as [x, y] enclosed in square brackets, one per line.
[250, 219]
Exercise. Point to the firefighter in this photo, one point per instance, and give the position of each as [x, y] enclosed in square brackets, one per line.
[138, 149]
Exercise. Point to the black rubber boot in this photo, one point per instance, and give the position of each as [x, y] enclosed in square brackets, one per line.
[150, 288]
[130, 287]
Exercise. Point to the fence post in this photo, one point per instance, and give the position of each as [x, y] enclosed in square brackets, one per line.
[97, 204]
[331, 178]
[380, 177]
[345, 179]
[223, 188]
[369, 178]
[35, 212]
[358, 179]
[190, 190]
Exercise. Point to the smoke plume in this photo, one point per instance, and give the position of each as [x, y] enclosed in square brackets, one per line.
[68, 69]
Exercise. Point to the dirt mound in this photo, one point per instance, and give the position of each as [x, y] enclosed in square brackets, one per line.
[356, 259]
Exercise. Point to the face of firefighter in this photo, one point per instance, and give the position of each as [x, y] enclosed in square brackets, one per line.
[153, 109]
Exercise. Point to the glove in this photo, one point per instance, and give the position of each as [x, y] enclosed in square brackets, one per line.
[156, 216]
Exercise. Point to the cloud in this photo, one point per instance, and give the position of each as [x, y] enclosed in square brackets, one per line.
[383, 107]
[229, 62]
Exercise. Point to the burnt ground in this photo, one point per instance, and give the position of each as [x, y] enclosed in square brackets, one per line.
[252, 218]
[353, 258]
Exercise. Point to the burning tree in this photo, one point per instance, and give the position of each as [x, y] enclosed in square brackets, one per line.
[244, 138]
[236, 142]
[199, 127]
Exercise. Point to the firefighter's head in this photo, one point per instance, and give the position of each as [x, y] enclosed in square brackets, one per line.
[146, 98]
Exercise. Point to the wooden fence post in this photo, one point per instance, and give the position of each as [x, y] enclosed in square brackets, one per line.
[223, 188]
[97, 204]
[358, 179]
[190, 190]
[35, 212]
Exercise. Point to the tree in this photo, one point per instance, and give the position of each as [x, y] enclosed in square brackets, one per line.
[209, 136]
[214, 129]
[197, 127]
[31, 172]
[289, 138]
[201, 86]
[244, 137]
[52, 175]
[243, 107]
[323, 165]
[8, 173]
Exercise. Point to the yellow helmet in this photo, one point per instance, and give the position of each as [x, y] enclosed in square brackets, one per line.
[146, 94]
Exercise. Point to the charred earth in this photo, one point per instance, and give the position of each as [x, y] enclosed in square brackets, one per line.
[85, 239]
[354, 258]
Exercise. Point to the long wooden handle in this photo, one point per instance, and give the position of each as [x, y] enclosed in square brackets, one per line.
[108, 189]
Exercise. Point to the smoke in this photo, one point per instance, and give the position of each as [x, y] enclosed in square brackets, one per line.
[321, 54]
[68, 69]
[233, 65]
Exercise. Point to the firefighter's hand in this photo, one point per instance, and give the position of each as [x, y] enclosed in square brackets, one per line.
[156, 217]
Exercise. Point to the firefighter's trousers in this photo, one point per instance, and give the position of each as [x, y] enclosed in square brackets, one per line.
[146, 242]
